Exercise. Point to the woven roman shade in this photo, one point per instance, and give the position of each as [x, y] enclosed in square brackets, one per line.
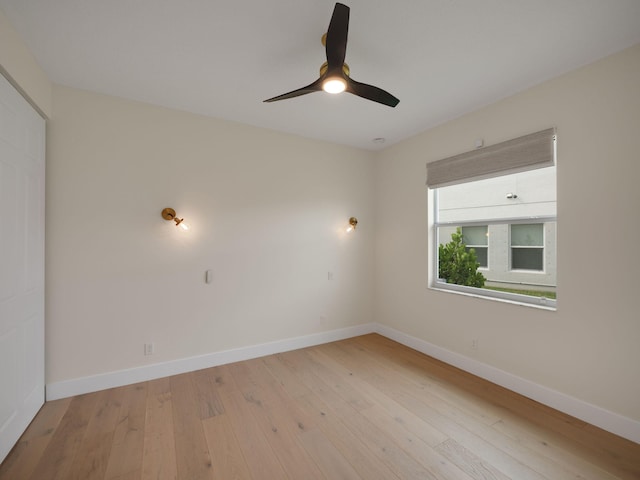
[529, 152]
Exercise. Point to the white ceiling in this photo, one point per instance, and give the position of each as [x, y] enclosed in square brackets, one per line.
[441, 58]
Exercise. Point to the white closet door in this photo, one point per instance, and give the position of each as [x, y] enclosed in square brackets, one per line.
[22, 139]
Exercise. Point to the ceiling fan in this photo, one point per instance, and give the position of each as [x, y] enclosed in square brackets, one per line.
[334, 73]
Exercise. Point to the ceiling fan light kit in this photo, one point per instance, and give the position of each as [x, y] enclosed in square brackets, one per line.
[334, 84]
[334, 73]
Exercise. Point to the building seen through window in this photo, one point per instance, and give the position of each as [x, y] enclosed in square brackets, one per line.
[509, 224]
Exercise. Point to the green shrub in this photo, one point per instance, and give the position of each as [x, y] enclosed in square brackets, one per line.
[457, 264]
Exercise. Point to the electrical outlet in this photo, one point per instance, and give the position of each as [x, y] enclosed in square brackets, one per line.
[474, 344]
[148, 348]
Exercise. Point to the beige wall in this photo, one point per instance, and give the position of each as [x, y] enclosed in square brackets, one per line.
[588, 348]
[267, 212]
[20, 68]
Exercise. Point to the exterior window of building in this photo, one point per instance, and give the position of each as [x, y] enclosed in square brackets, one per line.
[527, 247]
[477, 238]
[499, 201]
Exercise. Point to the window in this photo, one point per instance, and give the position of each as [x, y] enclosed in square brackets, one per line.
[527, 247]
[505, 211]
[477, 239]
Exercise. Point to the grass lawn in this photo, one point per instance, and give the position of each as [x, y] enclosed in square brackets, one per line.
[533, 293]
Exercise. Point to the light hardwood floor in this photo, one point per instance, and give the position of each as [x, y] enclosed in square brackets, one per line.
[364, 408]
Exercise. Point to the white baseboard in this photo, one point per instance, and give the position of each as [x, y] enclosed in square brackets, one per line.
[600, 417]
[93, 383]
[605, 419]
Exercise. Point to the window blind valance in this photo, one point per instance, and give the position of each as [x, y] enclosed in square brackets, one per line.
[536, 150]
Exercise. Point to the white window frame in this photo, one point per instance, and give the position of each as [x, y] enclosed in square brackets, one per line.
[436, 284]
[435, 224]
[476, 247]
[540, 247]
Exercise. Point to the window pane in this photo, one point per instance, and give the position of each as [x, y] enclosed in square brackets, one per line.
[527, 235]
[509, 222]
[474, 235]
[526, 258]
[481, 255]
[493, 198]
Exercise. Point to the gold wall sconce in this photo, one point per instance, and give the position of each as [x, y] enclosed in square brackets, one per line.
[353, 223]
[170, 214]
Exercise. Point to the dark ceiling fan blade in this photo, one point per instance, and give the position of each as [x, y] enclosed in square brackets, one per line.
[336, 50]
[371, 93]
[336, 42]
[313, 87]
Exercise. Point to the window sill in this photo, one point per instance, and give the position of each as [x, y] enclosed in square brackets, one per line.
[539, 303]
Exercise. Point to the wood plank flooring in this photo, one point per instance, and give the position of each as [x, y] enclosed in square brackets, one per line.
[365, 408]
